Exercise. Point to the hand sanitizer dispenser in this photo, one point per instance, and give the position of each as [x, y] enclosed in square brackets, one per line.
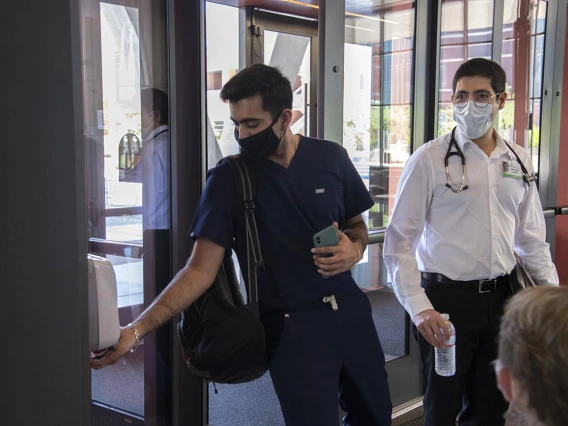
[104, 327]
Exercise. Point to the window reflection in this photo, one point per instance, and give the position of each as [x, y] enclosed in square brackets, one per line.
[388, 314]
[120, 63]
[523, 61]
[378, 93]
[291, 53]
[127, 138]
[467, 32]
[222, 24]
[377, 134]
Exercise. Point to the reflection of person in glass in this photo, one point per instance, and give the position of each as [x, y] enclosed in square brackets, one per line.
[321, 338]
[155, 159]
[452, 250]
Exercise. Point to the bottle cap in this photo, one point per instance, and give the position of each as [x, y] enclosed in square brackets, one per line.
[445, 317]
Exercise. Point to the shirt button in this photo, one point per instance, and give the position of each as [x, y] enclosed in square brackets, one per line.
[494, 212]
[494, 186]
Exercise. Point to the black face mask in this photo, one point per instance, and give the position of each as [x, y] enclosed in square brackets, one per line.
[261, 145]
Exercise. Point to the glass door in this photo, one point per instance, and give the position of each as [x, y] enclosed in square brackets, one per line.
[285, 51]
[291, 44]
[128, 158]
[522, 58]
[378, 128]
[561, 237]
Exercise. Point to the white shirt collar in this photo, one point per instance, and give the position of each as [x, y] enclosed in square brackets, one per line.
[150, 136]
[500, 148]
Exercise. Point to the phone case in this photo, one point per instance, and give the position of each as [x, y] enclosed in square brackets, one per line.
[325, 238]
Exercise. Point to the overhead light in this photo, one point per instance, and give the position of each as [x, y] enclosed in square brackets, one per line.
[359, 28]
[371, 17]
[313, 6]
[301, 3]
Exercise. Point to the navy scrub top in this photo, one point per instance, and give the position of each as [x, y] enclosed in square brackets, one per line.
[320, 186]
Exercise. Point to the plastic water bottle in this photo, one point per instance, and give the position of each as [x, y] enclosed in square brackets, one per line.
[445, 359]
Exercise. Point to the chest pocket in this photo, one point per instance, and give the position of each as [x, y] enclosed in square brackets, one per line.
[327, 204]
[511, 192]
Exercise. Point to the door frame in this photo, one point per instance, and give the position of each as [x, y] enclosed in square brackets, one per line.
[260, 20]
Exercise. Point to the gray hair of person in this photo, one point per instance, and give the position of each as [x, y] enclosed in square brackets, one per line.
[533, 344]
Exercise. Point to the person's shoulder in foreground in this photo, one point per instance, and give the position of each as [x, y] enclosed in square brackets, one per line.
[532, 368]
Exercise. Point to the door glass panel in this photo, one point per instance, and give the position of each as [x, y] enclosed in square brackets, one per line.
[128, 165]
[561, 246]
[524, 27]
[378, 95]
[467, 32]
[388, 314]
[291, 53]
[377, 129]
[254, 403]
[222, 64]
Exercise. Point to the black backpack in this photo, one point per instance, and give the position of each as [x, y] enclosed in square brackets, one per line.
[222, 338]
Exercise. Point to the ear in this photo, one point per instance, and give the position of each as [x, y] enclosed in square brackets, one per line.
[157, 116]
[286, 119]
[504, 382]
[502, 99]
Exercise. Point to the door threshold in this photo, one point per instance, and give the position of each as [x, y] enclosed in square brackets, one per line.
[408, 411]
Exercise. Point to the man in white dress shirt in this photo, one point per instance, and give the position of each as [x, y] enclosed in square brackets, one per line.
[155, 159]
[450, 245]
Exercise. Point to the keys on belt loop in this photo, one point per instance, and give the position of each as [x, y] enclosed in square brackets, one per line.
[331, 299]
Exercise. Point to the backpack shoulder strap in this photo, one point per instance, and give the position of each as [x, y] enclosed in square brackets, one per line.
[245, 183]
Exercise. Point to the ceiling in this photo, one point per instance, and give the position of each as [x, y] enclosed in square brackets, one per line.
[309, 8]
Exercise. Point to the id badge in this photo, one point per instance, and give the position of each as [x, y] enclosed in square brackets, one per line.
[512, 169]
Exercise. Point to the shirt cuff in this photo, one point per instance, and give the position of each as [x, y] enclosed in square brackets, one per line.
[417, 303]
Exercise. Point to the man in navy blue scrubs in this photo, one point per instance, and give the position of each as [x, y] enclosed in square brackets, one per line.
[322, 341]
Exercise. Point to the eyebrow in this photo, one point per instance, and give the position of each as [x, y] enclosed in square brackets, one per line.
[245, 120]
[474, 92]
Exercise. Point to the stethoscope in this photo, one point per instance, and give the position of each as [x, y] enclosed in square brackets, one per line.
[527, 177]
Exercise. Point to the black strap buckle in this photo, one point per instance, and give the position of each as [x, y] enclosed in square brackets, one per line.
[249, 205]
[487, 286]
[529, 177]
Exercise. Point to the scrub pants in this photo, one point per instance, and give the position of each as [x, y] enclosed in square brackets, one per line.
[472, 392]
[320, 356]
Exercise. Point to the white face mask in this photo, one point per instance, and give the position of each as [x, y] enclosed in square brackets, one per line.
[145, 130]
[472, 120]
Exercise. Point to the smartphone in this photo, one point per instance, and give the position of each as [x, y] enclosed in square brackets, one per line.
[325, 238]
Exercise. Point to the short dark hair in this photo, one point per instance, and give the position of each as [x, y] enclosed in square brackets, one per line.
[156, 100]
[273, 87]
[480, 67]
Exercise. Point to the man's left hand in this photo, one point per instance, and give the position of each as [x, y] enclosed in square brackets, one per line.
[344, 256]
